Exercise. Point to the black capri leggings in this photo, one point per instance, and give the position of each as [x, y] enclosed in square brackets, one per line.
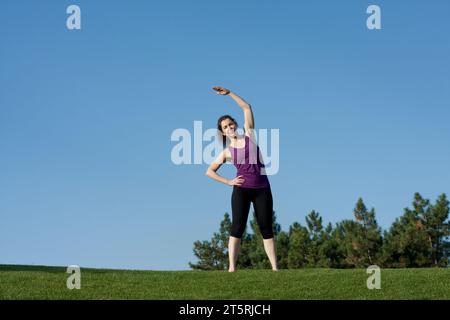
[240, 206]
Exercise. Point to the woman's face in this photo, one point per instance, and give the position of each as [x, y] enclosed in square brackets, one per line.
[228, 128]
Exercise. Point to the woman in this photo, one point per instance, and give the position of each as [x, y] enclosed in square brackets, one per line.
[250, 185]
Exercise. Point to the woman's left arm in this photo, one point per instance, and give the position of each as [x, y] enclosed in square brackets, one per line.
[247, 108]
[248, 113]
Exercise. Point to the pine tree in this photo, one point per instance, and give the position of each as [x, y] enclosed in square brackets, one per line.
[370, 238]
[407, 244]
[316, 256]
[244, 257]
[436, 227]
[348, 236]
[360, 241]
[331, 249]
[213, 255]
[298, 246]
[282, 243]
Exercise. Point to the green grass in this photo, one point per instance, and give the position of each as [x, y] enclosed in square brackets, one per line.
[37, 282]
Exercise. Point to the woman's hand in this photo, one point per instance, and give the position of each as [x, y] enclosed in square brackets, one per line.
[221, 90]
[236, 181]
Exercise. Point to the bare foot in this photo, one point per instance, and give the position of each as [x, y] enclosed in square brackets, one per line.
[231, 270]
[275, 270]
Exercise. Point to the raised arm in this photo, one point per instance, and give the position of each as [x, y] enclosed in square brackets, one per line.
[246, 107]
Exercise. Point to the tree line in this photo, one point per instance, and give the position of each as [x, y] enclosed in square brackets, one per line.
[419, 238]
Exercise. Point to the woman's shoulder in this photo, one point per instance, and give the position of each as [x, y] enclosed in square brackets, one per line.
[227, 154]
[250, 134]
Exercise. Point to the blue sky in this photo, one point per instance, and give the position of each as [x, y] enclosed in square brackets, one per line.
[86, 117]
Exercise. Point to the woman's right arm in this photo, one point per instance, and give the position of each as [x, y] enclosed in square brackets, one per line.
[215, 165]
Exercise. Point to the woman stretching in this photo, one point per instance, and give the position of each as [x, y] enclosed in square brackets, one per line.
[251, 184]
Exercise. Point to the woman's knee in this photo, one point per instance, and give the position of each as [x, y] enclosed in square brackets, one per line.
[265, 223]
[267, 232]
[237, 230]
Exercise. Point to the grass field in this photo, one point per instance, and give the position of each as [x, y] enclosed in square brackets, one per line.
[37, 282]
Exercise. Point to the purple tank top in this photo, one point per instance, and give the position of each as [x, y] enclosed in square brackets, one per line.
[248, 162]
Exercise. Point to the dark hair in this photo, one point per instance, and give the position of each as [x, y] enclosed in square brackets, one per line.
[219, 127]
